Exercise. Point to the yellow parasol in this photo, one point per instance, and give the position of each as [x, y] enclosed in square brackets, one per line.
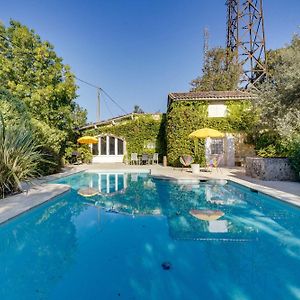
[87, 140]
[205, 133]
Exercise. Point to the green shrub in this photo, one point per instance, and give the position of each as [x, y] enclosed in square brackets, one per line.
[52, 162]
[268, 151]
[52, 140]
[19, 157]
[295, 157]
[270, 144]
[83, 151]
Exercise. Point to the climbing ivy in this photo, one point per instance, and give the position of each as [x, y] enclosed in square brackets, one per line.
[186, 117]
[170, 132]
[138, 132]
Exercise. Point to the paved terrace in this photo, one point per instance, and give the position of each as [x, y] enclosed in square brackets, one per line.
[41, 191]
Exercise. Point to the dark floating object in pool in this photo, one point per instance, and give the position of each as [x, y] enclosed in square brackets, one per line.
[166, 265]
[254, 191]
[113, 211]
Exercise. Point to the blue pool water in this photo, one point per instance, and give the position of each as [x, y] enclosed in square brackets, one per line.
[113, 245]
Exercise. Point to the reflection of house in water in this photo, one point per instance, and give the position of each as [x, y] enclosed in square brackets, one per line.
[109, 183]
[140, 198]
[182, 198]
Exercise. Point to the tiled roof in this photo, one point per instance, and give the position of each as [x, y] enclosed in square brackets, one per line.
[112, 120]
[220, 95]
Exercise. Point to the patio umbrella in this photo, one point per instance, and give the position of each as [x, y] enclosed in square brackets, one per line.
[87, 140]
[202, 134]
[205, 133]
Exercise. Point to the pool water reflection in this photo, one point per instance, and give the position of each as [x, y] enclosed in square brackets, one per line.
[113, 245]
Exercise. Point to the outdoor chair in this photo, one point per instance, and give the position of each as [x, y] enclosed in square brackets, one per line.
[186, 160]
[214, 163]
[155, 158]
[217, 162]
[134, 160]
[75, 159]
[145, 159]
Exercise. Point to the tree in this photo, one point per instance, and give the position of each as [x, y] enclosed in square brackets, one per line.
[279, 105]
[137, 109]
[279, 100]
[32, 72]
[220, 72]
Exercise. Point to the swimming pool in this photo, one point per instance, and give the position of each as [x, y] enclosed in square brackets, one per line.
[137, 240]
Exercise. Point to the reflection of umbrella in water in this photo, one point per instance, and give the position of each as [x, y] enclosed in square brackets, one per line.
[206, 214]
[87, 192]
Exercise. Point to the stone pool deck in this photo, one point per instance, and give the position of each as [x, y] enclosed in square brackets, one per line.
[41, 191]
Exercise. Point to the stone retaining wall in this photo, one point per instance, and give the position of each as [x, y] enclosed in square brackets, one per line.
[278, 169]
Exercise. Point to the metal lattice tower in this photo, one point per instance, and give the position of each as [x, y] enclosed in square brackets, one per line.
[206, 44]
[246, 38]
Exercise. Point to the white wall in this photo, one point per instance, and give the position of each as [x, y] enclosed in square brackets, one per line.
[217, 110]
[107, 158]
[229, 150]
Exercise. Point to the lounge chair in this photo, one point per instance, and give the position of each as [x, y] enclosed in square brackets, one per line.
[186, 160]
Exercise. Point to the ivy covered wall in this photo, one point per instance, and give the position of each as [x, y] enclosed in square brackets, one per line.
[169, 133]
[138, 133]
[184, 117]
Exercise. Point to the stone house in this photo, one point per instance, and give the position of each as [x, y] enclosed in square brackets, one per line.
[229, 112]
[226, 111]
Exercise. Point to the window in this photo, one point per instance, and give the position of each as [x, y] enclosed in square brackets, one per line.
[216, 146]
[103, 145]
[120, 147]
[217, 110]
[112, 145]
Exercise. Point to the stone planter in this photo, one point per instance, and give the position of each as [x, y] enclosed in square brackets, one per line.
[195, 168]
[277, 169]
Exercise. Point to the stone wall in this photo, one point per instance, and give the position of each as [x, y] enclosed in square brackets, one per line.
[278, 169]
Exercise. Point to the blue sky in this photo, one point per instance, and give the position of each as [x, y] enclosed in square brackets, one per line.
[138, 50]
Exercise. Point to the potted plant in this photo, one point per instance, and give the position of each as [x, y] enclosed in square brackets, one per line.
[195, 168]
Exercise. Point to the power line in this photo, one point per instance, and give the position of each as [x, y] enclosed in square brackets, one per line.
[79, 79]
[103, 91]
[108, 108]
[87, 83]
[109, 97]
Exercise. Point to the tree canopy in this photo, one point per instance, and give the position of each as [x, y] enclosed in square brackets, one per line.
[32, 72]
[220, 72]
[279, 99]
[279, 105]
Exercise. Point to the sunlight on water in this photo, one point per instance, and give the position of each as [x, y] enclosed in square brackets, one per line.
[138, 239]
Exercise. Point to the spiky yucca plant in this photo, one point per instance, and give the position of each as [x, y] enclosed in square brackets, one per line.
[19, 157]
